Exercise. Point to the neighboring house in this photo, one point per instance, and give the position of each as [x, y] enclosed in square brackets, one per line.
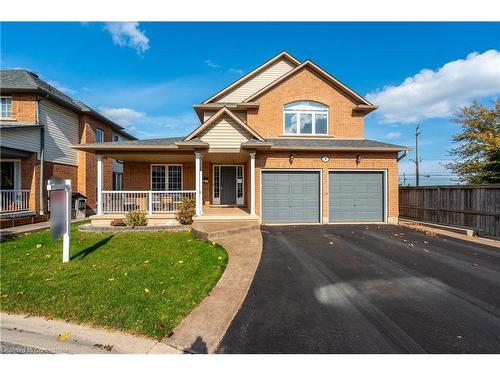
[283, 144]
[38, 126]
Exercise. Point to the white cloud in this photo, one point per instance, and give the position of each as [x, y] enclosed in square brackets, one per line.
[211, 64]
[122, 116]
[142, 124]
[128, 34]
[236, 71]
[393, 135]
[437, 94]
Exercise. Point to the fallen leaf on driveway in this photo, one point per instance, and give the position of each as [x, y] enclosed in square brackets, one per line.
[64, 336]
[475, 265]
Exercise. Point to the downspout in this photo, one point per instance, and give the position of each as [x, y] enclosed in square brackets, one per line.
[42, 152]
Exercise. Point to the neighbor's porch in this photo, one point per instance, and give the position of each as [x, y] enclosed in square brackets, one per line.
[222, 185]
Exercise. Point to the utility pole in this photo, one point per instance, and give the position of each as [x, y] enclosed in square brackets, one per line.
[417, 156]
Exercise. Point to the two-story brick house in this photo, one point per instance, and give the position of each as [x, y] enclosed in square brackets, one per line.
[38, 126]
[283, 144]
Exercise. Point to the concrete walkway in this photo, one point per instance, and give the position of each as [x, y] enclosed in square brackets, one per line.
[203, 330]
[46, 335]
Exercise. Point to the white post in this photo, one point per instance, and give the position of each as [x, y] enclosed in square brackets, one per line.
[99, 184]
[201, 184]
[150, 202]
[66, 235]
[197, 169]
[252, 183]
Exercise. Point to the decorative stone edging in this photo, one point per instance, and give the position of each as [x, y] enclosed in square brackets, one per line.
[125, 229]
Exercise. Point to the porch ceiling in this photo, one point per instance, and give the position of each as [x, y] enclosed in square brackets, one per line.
[222, 157]
[151, 157]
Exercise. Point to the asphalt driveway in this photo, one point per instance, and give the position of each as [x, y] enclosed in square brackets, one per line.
[369, 289]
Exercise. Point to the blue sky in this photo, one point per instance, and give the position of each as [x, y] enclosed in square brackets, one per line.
[148, 75]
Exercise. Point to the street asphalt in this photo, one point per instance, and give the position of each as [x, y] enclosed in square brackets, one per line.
[369, 289]
[9, 348]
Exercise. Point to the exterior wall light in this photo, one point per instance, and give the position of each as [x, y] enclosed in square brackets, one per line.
[290, 158]
[358, 159]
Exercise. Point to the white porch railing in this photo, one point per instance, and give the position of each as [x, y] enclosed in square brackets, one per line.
[14, 201]
[150, 201]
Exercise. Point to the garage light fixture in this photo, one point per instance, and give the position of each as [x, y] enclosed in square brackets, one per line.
[358, 159]
[290, 158]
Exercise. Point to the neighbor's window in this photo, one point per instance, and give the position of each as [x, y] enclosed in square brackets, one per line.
[6, 107]
[306, 117]
[166, 177]
[99, 136]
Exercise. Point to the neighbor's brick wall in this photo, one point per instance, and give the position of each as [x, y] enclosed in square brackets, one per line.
[30, 179]
[87, 162]
[24, 108]
[267, 120]
[338, 160]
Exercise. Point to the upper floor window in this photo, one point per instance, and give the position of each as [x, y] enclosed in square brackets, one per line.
[99, 136]
[116, 138]
[6, 107]
[305, 117]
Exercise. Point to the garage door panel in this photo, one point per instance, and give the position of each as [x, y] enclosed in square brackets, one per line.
[290, 196]
[356, 196]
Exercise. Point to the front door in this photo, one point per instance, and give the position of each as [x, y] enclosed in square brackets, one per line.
[228, 185]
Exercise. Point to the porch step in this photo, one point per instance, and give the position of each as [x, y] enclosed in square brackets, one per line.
[213, 230]
[225, 218]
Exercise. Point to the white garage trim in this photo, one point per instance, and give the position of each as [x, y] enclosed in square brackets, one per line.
[294, 170]
[384, 179]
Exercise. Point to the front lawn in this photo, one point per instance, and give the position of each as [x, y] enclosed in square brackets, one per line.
[143, 283]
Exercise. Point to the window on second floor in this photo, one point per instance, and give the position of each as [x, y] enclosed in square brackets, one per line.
[116, 138]
[6, 107]
[305, 117]
[99, 136]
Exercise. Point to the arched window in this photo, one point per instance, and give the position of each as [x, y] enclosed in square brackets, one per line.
[305, 117]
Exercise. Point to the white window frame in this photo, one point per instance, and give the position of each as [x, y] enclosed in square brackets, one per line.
[118, 138]
[313, 114]
[17, 172]
[6, 97]
[99, 131]
[239, 200]
[166, 176]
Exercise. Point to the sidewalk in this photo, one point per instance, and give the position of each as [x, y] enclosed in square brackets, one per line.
[203, 329]
[57, 336]
[29, 228]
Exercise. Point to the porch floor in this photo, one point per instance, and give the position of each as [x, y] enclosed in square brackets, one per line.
[225, 214]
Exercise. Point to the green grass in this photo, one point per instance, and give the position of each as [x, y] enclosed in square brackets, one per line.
[143, 283]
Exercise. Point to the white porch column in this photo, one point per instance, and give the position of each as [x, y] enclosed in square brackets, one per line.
[99, 184]
[252, 183]
[197, 171]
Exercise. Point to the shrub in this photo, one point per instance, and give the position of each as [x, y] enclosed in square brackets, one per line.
[118, 223]
[136, 219]
[186, 211]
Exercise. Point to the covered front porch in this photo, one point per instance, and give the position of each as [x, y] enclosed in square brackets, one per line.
[221, 183]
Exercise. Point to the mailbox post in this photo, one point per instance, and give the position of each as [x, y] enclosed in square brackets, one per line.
[60, 211]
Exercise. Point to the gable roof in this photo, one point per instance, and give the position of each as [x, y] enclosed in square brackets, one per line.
[223, 111]
[253, 73]
[21, 80]
[322, 73]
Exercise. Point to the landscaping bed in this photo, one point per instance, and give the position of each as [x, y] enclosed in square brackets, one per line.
[143, 282]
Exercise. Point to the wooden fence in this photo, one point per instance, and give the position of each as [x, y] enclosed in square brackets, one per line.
[470, 206]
